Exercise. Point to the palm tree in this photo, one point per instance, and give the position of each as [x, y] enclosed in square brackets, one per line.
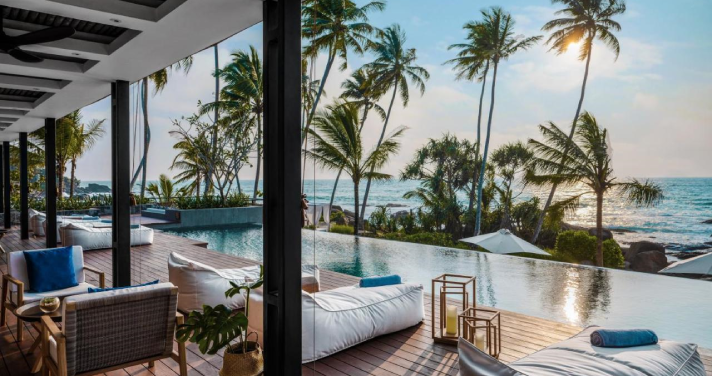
[498, 43]
[587, 21]
[393, 67]
[243, 92]
[472, 64]
[338, 145]
[85, 137]
[585, 159]
[159, 80]
[359, 90]
[192, 168]
[163, 191]
[335, 26]
[510, 161]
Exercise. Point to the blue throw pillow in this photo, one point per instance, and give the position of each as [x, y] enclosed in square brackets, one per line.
[97, 289]
[51, 269]
[388, 280]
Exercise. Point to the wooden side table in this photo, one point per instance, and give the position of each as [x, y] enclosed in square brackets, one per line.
[483, 328]
[32, 313]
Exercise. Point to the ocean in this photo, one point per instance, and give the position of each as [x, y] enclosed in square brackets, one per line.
[676, 222]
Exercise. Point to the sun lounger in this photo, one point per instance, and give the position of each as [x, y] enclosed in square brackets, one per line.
[576, 356]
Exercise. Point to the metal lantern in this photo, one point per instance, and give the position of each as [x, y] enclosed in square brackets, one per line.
[482, 328]
[458, 289]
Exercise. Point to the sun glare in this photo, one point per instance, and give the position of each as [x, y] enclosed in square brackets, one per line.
[573, 47]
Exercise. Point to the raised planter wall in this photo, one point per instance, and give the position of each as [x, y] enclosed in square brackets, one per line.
[215, 217]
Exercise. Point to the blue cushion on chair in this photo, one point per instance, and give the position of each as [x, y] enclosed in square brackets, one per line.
[380, 281]
[97, 289]
[51, 269]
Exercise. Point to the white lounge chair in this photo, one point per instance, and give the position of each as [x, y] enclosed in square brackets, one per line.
[335, 320]
[90, 237]
[576, 356]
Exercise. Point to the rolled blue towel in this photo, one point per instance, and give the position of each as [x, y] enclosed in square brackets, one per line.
[623, 337]
[380, 281]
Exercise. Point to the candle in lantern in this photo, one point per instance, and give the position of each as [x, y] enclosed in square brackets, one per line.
[480, 340]
[451, 320]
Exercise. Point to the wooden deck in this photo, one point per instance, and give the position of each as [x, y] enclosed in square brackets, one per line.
[408, 352]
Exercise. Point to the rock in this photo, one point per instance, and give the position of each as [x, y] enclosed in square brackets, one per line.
[707, 222]
[687, 255]
[641, 247]
[645, 256]
[349, 213]
[567, 226]
[389, 205]
[400, 214]
[336, 208]
[607, 234]
[649, 262]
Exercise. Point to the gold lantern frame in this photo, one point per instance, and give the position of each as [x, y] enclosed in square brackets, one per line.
[489, 321]
[449, 286]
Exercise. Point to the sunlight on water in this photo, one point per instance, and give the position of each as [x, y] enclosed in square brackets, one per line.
[570, 306]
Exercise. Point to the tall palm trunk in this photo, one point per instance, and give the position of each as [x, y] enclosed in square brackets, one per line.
[475, 171]
[356, 217]
[259, 155]
[61, 169]
[146, 139]
[380, 140]
[214, 136]
[540, 222]
[481, 179]
[336, 183]
[599, 228]
[72, 177]
[329, 63]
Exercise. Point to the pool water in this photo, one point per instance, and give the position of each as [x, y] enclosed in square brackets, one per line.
[676, 308]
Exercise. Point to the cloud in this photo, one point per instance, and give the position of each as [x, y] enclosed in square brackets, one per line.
[645, 101]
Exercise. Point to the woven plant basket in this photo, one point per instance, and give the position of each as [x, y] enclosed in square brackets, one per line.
[251, 363]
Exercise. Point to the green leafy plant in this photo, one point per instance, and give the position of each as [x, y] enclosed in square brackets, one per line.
[342, 229]
[579, 246]
[441, 239]
[217, 327]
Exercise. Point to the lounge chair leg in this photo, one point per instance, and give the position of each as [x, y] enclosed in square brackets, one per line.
[20, 332]
[3, 310]
[151, 364]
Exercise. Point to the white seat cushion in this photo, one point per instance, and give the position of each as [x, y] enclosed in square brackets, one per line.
[76, 290]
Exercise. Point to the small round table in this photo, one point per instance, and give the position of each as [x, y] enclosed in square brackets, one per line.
[32, 313]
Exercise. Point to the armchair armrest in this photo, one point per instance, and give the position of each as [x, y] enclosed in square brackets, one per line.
[6, 281]
[58, 366]
[100, 274]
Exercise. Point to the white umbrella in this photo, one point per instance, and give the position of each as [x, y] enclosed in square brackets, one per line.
[503, 242]
[697, 265]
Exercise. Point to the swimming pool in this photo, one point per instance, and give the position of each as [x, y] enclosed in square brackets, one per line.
[675, 308]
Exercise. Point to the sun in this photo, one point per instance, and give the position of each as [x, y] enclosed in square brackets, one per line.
[573, 47]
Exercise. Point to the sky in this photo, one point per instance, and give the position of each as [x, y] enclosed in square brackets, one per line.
[655, 99]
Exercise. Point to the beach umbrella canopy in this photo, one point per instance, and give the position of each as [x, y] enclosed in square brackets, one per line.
[503, 242]
[697, 265]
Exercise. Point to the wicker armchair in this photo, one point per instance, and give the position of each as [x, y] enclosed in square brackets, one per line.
[112, 330]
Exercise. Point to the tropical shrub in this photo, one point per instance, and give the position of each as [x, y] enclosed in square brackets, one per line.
[342, 229]
[337, 216]
[232, 200]
[441, 239]
[580, 246]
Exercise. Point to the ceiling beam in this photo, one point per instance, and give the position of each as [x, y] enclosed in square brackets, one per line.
[31, 83]
[129, 15]
[45, 66]
[16, 105]
[17, 98]
[9, 112]
[8, 119]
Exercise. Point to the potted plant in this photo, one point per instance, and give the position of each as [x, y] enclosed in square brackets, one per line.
[219, 327]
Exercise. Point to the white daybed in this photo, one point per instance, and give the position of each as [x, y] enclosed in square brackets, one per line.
[335, 320]
[98, 238]
[576, 356]
[200, 284]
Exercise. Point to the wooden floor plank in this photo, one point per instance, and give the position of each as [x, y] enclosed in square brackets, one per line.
[408, 352]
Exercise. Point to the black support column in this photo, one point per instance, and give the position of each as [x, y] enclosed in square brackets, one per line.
[51, 181]
[282, 227]
[6, 179]
[24, 189]
[121, 183]
[2, 182]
